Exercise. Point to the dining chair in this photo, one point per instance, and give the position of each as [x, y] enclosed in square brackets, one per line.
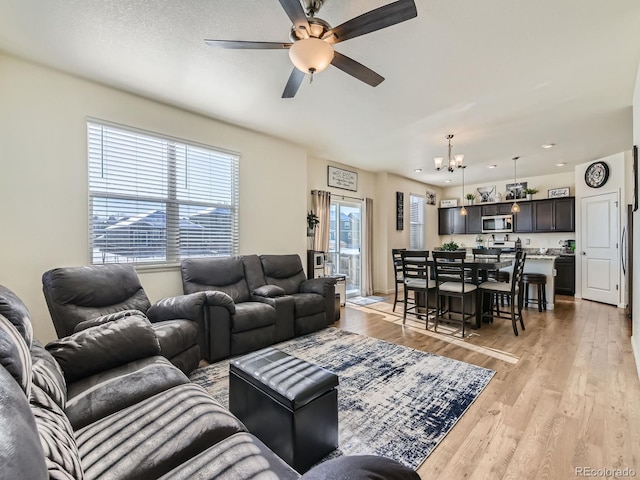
[452, 281]
[397, 272]
[493, 275]
[415, 271]
[512, 290]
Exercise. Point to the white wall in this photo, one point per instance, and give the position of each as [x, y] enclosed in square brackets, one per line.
[635, 339]
[43, 178]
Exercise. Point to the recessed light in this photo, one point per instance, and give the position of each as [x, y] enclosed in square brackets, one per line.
[417, 170]
[492, 166]
[561, 164]
[548, 145]
[447, 181]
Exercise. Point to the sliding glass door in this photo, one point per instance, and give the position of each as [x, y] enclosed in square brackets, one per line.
[345, 236]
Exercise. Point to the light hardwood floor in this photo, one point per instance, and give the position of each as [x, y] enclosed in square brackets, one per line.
[566, 397]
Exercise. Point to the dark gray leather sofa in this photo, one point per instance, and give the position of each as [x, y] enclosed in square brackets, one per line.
[102, 403]
[255, 301]
[76, 295]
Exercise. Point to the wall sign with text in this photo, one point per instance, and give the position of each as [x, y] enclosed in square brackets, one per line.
[399, 210]
[339, 178]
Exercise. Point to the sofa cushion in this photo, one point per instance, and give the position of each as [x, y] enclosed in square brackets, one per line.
[105, 346]
[56, 436]
[285, 271]
[175, 335]
[151, 438]
[238, 457]
[107, 318]
[47, 374]
[104, 393]
[76, 294]
[307, 304]
[360, 467]
[14, 354]
[221, 274]
[14, 310]
[21, 454]
[250, 315]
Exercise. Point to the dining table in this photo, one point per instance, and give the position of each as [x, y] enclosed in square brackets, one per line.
[478, 270]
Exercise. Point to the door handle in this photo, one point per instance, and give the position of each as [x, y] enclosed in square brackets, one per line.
[583, 253]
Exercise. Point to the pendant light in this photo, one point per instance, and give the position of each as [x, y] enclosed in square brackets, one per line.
[515, 208]
[453, 162]
[463, 210]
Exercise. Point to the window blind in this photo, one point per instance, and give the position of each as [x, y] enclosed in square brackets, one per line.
[156, 200]
[416, 222]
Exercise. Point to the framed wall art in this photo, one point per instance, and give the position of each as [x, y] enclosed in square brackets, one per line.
[558, 192]
[431, 197]
[339, 178]
[399, 211]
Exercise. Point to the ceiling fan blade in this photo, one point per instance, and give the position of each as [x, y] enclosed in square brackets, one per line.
[293, 84]
[248, 45]
[294, 10]
[357, 70]
[377, 19]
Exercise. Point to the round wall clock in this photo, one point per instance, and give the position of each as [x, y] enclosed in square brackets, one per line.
[597, 174]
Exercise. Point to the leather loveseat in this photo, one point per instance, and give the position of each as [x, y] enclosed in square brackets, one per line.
[255, 301]
[102, 403]
[76, 295]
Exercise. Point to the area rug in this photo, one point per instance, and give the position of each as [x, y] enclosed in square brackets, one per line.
[393, 401]
[365, 300]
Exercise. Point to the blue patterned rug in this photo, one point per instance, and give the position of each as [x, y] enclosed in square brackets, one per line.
[393, 401]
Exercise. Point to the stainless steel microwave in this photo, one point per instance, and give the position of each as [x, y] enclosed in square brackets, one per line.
[497, 224]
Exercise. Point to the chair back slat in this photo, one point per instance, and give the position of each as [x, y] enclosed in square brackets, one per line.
[490, 253]
[415, 264]
[396, 258]
[449, 267]
[518, 269]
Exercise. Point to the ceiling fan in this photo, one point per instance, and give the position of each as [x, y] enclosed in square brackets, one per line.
[312, 39]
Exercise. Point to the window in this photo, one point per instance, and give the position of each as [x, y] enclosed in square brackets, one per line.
[416, 220]
[156, 200]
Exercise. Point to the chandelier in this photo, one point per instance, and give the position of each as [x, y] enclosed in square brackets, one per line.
[454, 162]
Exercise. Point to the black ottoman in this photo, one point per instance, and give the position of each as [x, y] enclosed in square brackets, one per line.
[289, 404]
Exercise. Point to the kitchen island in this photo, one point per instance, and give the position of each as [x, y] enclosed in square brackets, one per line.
[538, 263]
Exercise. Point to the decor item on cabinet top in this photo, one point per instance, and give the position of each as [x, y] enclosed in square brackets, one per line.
[515, 191]
[529, 192]
[312, 222]
[470, 198]
[487, 194]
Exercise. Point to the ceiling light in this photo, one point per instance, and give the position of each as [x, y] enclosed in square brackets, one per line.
[417, 170]
[492, 166]
[548, 145]
[447, 181]
[561, 164]
[454, 162]
[311, 55]
[515, 208]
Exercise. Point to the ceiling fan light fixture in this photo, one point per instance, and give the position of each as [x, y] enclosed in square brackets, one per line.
[311, 55]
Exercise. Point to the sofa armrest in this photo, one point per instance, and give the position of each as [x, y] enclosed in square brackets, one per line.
[269, 291]
[220, 299]
[104, 346]
[187, 307]
[317, 285]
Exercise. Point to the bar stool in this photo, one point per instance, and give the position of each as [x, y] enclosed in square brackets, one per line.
[540, 280]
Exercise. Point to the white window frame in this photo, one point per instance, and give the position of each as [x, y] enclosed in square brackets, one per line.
[416, 221]
[170, 190]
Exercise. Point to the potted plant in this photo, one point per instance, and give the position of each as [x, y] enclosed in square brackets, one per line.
[450, 246]
[312, 221]
[470, 198]
[529, 192]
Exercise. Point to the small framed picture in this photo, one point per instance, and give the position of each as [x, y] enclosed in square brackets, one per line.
[431, 197]
[559, 192]
[449, 203]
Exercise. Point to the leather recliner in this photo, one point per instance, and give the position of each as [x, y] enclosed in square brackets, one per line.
[78, 296]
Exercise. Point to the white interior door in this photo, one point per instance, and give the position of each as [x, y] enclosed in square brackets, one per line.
[599, 252]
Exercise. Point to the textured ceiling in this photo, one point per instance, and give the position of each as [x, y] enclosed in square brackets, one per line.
[504, 76]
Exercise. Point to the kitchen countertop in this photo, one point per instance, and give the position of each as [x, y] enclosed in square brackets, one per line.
[532, 256]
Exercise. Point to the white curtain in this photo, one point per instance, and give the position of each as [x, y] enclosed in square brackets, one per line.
[367, 248]
[321, 206]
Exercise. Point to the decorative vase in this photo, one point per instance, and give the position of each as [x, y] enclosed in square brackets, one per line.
[470, 201]
[310, 232]
[529, 196]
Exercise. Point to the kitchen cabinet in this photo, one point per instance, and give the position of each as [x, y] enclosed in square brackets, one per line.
[554, 215]
[450, 222]
[523, 220]
[497, 209]
[474, 219]
[565, 281]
